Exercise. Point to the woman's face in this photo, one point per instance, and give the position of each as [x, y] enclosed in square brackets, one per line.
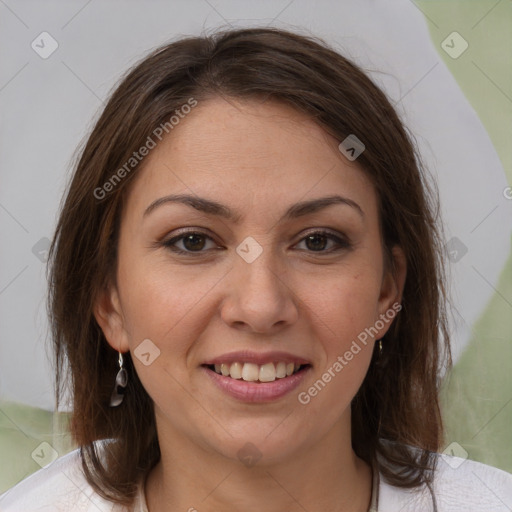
[271, 275]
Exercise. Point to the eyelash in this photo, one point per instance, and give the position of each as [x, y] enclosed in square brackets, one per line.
[341, 242]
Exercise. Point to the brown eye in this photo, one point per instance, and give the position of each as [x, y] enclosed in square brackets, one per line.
[191, 242]
[318, 241]
[194, 242]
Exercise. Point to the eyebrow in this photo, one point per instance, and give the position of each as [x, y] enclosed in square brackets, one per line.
[214, 208]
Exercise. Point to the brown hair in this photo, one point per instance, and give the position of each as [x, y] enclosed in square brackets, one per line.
[397, 406]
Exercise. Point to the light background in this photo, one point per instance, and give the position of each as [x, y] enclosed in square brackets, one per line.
[459, 110]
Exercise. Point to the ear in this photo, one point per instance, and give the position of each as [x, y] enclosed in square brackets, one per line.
[109, 315]
[392, 287]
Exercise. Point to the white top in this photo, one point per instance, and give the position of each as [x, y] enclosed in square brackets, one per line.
[459, 485]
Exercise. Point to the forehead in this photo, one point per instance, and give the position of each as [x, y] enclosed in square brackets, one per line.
[248, 135]
[248, 152]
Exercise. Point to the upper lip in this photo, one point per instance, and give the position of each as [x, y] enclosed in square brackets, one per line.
[245, 356]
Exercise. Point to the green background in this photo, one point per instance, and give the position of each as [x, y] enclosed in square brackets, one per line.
[477, 398]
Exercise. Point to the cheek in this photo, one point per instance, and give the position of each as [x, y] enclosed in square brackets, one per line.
[343, 310]
[339, 377]
[160, 300]
[171, 308]
[166, 308]
[343, 305]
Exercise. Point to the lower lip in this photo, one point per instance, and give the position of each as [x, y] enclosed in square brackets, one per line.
[255, 392]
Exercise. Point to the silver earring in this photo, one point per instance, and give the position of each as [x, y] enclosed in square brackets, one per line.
[121, 381]
[380, 348]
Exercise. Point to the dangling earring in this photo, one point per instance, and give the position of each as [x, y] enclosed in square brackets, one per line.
[379, 359]
[121, 381]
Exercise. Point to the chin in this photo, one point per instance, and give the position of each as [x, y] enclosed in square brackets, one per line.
[262, 446]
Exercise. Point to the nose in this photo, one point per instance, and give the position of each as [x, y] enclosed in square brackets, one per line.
[259, 297]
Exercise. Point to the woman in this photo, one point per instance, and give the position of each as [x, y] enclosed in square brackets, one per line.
[247, 288]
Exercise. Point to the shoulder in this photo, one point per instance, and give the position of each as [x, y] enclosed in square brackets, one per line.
[459, 485]
[61, 486]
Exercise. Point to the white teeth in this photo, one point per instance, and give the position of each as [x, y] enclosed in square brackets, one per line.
[267, 372]
[236, 370]
[281, 370]
[252, 372]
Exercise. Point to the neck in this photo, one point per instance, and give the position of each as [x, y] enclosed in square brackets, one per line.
[325, 476]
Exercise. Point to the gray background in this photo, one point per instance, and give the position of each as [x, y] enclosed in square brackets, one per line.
[48, 107]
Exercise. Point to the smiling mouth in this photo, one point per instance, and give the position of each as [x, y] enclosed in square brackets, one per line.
[251, 372]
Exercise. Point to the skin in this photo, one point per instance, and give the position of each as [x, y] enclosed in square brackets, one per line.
[258, 159]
